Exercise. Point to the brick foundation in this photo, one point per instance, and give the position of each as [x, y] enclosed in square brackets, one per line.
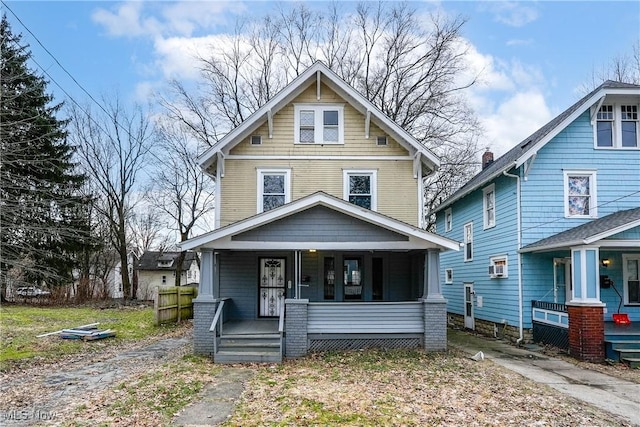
[586, 333]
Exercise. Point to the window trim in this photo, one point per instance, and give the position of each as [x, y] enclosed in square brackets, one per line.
[262, 172]
[625, 276]
[373, 173]
[382, 138]
[469, 226]
[258, 139]
[616, 125]
[448, 276]
[593, 202]
[319, 109]
[448, 220]
[486, 224]
[492, 263]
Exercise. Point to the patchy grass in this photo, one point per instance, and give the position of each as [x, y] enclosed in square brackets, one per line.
[19, 326]
[151, 398]
[403, 387]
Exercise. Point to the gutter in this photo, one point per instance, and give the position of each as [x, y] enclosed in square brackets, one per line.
[518, 219]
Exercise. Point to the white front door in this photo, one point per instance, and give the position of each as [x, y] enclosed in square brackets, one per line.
[469, 322]
[272, 286]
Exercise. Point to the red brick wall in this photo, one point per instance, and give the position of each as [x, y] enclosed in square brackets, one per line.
[586, 333]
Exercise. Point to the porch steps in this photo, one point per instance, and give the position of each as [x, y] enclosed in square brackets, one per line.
[243, 348]
[626, 350]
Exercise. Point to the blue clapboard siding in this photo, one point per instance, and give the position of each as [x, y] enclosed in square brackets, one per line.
[373, 318]
[542, 210]
[617, 176]
[320, 224]
[499, 296]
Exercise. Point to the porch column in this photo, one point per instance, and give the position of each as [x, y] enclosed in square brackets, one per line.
[435, 305]
[586, 314]
[295, 327]
[205, 304]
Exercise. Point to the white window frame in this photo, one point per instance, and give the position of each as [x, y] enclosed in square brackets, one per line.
[487, 221]
[468, 240]
[499, 260]
[382, 140]
[625, 278]
[593, 196]
[616, 125]
[346, 173]
[164, 279]
[448, 276]
[448, 220]
[318, 110]
[258, 140]
[260, 180]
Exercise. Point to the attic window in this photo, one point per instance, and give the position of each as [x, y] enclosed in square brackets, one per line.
[319, 124]
[617, 126]
[382, 140]
[165, 262]
[256, 139]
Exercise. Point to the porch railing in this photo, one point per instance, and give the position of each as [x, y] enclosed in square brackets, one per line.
[550, 323]
[551, 313]
[363, 318]
[281, 329]
[216, 324]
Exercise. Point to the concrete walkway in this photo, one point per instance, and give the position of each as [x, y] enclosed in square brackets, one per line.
[217, 400]
[614, 395]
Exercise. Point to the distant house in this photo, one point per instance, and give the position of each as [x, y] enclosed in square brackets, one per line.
[159, 269]
[105, 278]
[551, 231]
[318, 242]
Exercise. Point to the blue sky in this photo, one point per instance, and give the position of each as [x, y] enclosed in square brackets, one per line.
[535, 57]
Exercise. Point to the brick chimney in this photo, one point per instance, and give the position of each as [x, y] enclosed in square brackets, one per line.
[487, 159]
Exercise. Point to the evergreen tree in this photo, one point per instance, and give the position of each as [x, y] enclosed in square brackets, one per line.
[42, 214]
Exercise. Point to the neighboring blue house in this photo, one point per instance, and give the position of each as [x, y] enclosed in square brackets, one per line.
[556, 220]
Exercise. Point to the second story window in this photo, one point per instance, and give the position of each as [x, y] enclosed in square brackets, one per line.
[448, 220]
[489, 206]
[360, 188]
[468, 242]
[273, 188]
[580, 194]
[318, 124]
[617, 126]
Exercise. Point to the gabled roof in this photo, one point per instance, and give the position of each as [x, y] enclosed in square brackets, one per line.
[223, 237]
[317, 72]
[523, 151]
[150, 259]
[590, 232]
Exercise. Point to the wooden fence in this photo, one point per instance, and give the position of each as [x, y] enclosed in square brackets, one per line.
[174, 304]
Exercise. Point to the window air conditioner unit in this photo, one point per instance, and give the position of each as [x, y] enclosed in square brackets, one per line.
[496, 270]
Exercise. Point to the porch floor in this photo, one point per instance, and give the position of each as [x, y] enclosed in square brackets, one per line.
[611, 328]
[250, 327]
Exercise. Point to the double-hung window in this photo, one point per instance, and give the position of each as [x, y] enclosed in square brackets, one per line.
[360, 188]
[617, 126]
[274, 188]
[489, 206]
[468, 242]
[580, 194]
[631, 278]
[319, 124]
[448, 220]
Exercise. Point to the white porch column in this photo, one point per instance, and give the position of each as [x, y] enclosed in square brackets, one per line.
[208, 271]
[433, 291]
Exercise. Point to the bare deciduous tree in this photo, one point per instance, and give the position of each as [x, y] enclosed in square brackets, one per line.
[181, 190]
[623, 68]
[113, 145]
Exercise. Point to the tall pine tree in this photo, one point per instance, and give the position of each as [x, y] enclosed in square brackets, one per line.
[42, 219]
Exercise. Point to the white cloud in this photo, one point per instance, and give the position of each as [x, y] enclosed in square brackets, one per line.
[514, 14]
[517, 117]
[127, 21]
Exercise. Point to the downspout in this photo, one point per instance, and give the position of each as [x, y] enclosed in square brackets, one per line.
[518, 219]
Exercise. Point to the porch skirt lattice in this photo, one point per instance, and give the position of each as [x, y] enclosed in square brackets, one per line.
[318, 345]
